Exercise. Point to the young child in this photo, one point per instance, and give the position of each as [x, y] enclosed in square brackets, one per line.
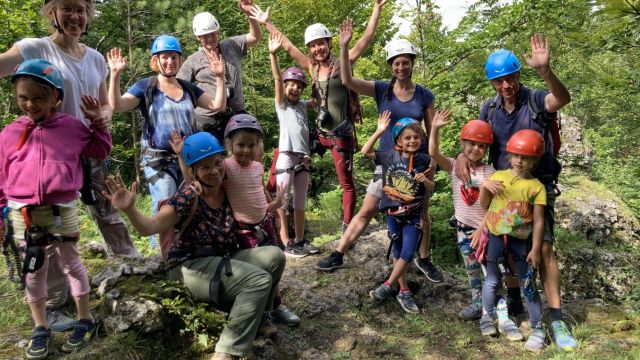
[244, 187]
[475, 138]
[515, 220]
[292, 166]
[40, 178]
[405, 190]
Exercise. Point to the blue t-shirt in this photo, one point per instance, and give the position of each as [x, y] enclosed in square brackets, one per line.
[505, 125]
[414, 108]
[400, 187]
[164, 115]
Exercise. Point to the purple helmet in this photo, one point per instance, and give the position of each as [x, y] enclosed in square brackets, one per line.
[242, 121]
[293, 73]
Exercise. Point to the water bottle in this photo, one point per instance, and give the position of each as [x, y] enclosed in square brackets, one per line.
[501, 309]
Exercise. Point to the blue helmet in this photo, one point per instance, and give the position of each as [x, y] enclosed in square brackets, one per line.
[400, 125]
[42, 70]
[199, 146]
[500, 63]
[165, 43]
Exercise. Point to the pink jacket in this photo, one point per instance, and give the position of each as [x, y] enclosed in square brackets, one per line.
[46, 170]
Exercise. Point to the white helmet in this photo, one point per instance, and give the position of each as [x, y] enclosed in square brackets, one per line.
[204, 23]
[400, 47]
[316, 31]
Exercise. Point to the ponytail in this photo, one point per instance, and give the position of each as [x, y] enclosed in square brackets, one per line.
[390, 89]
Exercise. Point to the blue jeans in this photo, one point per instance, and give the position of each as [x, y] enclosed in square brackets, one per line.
[162, 186]
[405, 234]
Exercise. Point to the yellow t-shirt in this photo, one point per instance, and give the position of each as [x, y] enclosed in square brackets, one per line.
[511, 212]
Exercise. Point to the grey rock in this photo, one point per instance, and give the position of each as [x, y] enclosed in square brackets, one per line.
[132, 312]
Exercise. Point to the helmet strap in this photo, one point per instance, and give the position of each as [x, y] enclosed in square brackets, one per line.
[56, 23]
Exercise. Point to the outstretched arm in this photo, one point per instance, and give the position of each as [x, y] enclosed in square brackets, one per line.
[9, 60]
[362, 87]
[540, 61]
[275, 41]
[440, 120]
[358, 49]
[255, 34]
[117, 101]
[383, 122]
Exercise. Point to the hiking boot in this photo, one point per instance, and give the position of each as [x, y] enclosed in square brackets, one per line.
[83, 332]
[562, 336]
[535, 342]
[39, 345]
[408, 303]
[58, 322]
[382, 293]
[510, 329]
[284, 315]
[296, 250]
[428, 269]
[333, 261]
[487, 326]
[473, 311]
[267, 329]
[306, 244]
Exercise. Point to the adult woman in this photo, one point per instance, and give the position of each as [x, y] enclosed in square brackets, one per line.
[337, 105]
[403, 98]
[166, 104]
[85, 73]
[196, 68]
[206, 241]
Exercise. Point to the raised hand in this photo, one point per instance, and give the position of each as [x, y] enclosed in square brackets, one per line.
[540, 54]
[441, 119]
[275, 42]
[383, 120]
[117, 62]
[246, 6]
[380, 3]
[91, 109]
[346, 32]
[177, 141]
[118, 194]
[216, 64]
[260, 16]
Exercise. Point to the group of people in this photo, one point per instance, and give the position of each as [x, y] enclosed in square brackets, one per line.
[222, 232]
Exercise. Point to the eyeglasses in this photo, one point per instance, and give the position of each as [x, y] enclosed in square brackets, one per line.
[209, 169]
[68, 10]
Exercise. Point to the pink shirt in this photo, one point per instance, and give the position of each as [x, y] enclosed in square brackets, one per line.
[245, 190]
[466, 197]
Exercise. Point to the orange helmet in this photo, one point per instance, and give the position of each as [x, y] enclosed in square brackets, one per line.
[478, 131]
[526, 142]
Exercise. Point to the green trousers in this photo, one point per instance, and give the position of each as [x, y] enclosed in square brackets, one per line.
[250, 288]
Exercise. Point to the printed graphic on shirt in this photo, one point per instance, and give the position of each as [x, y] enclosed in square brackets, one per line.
[515, 219]
[400, 184]
[470, 192]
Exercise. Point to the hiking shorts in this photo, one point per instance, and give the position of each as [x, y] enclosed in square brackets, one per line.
[375, 185]
[549, 214]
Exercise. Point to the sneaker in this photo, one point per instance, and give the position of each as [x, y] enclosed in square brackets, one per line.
[83, 332]
[267, 329]
[333, 261]
[58, 322]
[510, 329]
[284, 315]
[39, 345]
[428, 269]
[408, 303]
[296, 250]
[487, 326]
[306, 244]
[382, 293]
[472, 312]
[535, 342]
[562, 336]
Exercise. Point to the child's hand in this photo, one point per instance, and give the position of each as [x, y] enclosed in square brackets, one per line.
[475, 238]
[118, 194]
[279, 197]
[346, 32]
[493, 186]
[533, 258]
[216, 64]
[177, 141]
[275, 42]
[440, 119]
[383, 120]
[91, 109]
[117, 62]
[260, 16]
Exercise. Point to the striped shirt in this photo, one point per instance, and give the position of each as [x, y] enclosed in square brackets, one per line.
[245, 190]
[466, 197]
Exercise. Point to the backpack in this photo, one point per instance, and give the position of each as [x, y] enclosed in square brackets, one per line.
[145, 103]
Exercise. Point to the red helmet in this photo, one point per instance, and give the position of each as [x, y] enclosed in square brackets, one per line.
[526, 142]
[478, 131]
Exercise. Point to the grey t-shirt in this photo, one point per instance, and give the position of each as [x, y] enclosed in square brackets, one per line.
[196, 70]
[294, 127]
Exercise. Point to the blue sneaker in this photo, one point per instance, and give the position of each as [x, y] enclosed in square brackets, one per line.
[562, 336]
[58, 322]
[39, 345]
[382, 293]
[82, 333]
